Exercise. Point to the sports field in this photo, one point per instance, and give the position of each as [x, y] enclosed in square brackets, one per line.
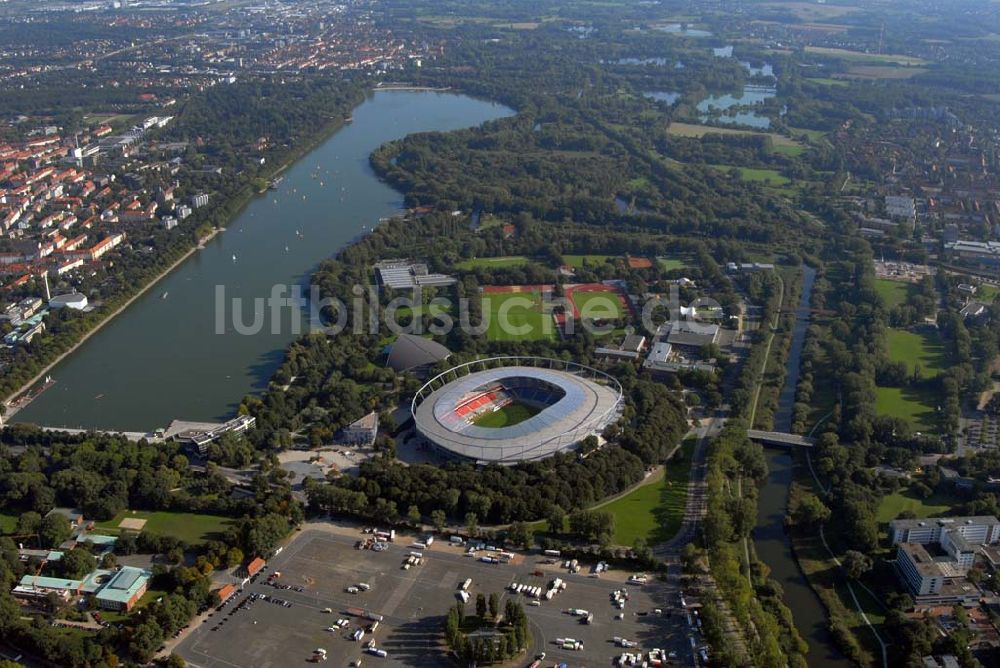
[893, 293]
[507, 416]
[915, 406]
[598, 305]
[493, 262]
[671, 263]
[189, 527]
[923, 348]
[517, 316]
[654, 511]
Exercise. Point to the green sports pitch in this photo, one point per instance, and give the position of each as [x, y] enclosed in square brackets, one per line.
[517, 316]
[598, 305]
[507, 416]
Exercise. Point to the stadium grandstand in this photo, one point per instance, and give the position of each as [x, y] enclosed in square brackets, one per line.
[508, 410]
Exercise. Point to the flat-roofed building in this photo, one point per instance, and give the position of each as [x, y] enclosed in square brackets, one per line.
[406, 275]
[900, 207]
[37, 588]
[362, 431]
[978, 529]
[934, 555]
[689, 334]
[124, 589]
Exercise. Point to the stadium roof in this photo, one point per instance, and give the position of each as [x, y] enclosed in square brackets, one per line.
[410, 351]
[583, 407]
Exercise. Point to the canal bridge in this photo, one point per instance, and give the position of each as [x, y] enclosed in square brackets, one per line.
[781, 439]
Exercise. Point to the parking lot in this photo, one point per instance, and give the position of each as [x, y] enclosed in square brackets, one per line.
[413, 604]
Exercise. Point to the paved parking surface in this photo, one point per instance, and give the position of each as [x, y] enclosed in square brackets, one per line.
[414, 603]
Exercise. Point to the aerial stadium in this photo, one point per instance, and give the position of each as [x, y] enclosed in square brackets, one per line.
[507, 410]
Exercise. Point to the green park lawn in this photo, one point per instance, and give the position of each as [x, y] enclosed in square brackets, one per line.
[915, 406]
[507, 416]
[810, 135]
[987, 293]
[432, 309]
[518, 315]
[655, 509]
[923, 348]
[826, 81]
[598, 305]
[7, 523]
[189, 527]
[905, 500]
[493, 262]
[771, 177]
[591, 260]
[791, 150]
[893, 293]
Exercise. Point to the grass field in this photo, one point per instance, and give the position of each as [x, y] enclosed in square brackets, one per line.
[7, 523]
[914, 406]
[507, 416]
[698, 131]
[769, 177]
[812, 11]
[810, 135]
[860, 56]
[592, 260]
[671, 263]
[893, 504]
[417, 311]
[792, 150]
[654, 511]
[189, 527]
[512, 312]
[913, 348]
[893, 293]
[827, 81]
[598, 305]
[987, 293]
[492, 262]
[883, 72]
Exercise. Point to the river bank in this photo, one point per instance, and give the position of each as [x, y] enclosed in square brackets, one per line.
[197, 354]
[823, 572]
[110, 316]
[240, 200]
[772, 544]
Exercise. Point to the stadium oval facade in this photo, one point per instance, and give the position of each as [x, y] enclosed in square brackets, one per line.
[564, 402]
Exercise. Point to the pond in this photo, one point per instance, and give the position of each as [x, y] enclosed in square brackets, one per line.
[668, 96]
[750, 96]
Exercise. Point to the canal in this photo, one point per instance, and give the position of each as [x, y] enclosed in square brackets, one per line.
[162, 358]
[772, 544]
